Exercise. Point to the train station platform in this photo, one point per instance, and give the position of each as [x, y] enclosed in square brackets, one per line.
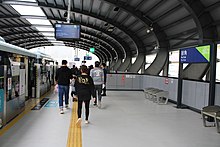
[126, 119]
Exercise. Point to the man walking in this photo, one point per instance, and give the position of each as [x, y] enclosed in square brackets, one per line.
[97, 75]
[103, 66]
[63, 76]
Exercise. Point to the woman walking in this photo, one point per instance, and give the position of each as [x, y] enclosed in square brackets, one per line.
[84, 87]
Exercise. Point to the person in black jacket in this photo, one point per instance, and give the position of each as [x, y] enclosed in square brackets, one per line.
[84, 86]
[103, 66]
[63, 76]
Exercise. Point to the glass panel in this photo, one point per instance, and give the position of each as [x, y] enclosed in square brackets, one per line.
[28, 10]
[39, 21]
[45, 29]
[174, 64]
[133, 59]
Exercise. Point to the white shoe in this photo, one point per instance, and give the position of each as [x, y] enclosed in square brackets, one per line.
[86, 122]
[78, 122]
[61, 111]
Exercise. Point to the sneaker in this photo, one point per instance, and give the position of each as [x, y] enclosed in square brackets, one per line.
[67, 106]
[78, 122]
[94, 104]
[103, 94]
[61, 111]
[86, 122]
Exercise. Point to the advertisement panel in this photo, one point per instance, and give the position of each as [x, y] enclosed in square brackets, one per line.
[200, 54]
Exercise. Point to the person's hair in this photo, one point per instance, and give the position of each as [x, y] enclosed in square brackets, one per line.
[97, 63]
[103, 64]
[84, 69]
[64, 62]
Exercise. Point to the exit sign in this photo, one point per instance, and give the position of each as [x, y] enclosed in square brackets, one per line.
[92, 49]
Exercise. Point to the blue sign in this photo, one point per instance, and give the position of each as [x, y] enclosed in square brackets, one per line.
[87, 57]
[76, 59]
[1, 100]
[199, 54]
[52, 103]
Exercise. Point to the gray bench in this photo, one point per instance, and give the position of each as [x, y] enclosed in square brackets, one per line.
[211, 111]
[156, 95]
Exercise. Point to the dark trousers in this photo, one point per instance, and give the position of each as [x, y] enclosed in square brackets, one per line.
[104, 90]
[86, 108]
[63, 91]
[98, 91]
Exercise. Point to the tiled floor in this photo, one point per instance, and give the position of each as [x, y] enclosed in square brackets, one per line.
[126, 119]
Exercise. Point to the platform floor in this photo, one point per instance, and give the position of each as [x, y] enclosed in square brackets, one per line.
[126, 119]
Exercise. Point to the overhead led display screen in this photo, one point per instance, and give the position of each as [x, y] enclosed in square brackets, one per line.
[67, 32]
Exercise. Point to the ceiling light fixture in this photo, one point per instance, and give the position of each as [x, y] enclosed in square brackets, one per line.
[110, 29]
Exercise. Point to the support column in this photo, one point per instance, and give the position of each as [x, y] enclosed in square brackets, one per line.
[180, 84]
[213, 56]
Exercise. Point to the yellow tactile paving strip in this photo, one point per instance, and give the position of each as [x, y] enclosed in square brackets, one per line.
[75, 132]
[28, 106]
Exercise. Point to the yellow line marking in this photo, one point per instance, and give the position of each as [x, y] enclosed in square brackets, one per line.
[28, 106]
[75, 132]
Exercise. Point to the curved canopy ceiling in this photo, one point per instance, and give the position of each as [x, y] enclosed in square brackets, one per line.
[118, 28]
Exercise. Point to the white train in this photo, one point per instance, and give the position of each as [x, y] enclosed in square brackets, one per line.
[23, 75]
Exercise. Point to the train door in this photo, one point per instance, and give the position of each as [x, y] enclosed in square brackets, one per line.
[2, 95]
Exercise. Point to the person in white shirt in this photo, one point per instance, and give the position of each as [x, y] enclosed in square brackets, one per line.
[97, 75]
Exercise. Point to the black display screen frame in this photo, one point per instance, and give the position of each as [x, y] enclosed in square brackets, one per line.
[71, 38]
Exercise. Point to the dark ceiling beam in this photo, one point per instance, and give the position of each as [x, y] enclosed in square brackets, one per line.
[15, 27]
[210, 8]
[181, 20]
[187, 5]
[13, 2]
[90, 5]
[29, 41]
[172, 10]
[38, 45]
[157, 5]
[20, 39]
[32, 43]
[116, 16]
[160, 35]
[187, 32]
[139, 4]
[118, 40]
[125, 19]
[133, 24]
[81, 4]
[82, 13]
[185, 39]
[38, 17]
[100, 7]
[108, 12]
[20, 33]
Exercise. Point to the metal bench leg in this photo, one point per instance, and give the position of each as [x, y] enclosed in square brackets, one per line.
[204, 120]
[217, 125]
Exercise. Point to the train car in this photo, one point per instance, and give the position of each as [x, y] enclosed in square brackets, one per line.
[23, 75]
